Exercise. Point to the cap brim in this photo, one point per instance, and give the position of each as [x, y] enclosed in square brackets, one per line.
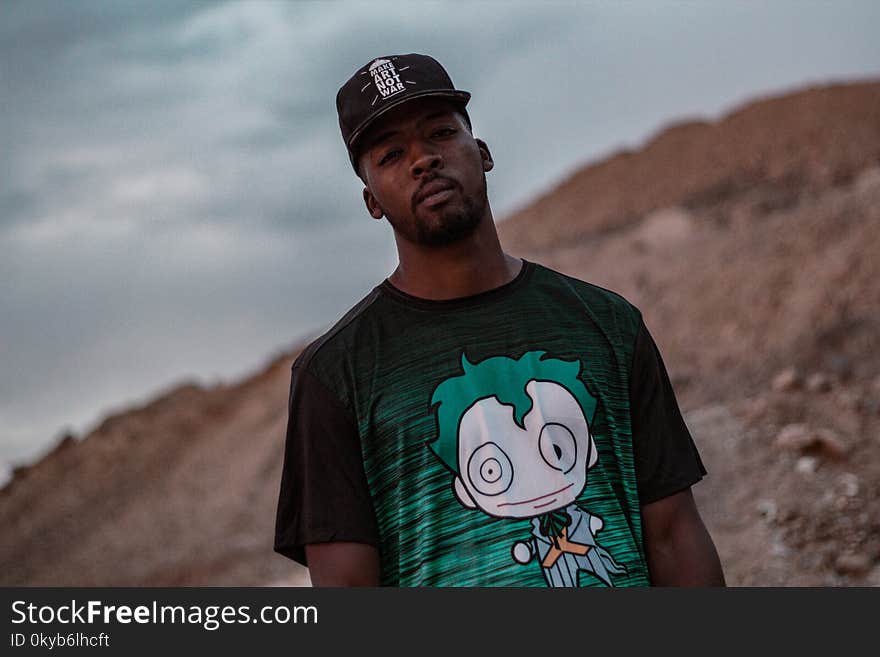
[455, 94]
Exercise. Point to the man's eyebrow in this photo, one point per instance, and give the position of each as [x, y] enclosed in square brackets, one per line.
[388, 134]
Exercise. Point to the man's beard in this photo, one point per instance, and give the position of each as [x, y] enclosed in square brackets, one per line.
[451, 225]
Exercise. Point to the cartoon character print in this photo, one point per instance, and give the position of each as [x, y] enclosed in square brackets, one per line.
[516, 435]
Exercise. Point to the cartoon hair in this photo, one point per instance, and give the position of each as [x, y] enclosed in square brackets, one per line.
[505, 379]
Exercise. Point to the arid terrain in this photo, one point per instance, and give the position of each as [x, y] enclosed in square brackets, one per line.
[752, 247]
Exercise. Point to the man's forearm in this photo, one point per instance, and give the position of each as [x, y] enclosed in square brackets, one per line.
[678, 547]
[343, 564]
[685, 558]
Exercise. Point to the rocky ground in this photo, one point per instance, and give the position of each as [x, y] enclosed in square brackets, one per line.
[793, 496]
[750, 245]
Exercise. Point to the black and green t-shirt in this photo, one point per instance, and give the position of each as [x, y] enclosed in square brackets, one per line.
[507, 438]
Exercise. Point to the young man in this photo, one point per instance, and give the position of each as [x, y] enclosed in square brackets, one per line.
[478, 419]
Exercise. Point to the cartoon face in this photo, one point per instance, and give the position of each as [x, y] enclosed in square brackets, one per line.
[511, 472]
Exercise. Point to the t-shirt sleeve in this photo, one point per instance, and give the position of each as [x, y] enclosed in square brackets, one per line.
[324, 494]
[666, 458]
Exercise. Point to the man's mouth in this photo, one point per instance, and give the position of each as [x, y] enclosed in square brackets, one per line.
[435, 192]
[437, 197]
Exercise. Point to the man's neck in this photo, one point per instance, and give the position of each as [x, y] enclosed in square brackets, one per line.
[474, 265]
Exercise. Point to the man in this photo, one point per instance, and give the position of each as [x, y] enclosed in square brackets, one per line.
[478, 419]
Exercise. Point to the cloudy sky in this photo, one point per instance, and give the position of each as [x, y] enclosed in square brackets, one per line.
[176, 202]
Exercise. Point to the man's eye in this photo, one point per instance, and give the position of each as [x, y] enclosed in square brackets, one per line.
[442, 132]
[389, 156]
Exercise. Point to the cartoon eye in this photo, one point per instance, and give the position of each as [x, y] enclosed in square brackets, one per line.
[490, 470]
[558, 446]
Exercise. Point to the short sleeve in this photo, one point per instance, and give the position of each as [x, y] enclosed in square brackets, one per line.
[666, 458]
[324, 494]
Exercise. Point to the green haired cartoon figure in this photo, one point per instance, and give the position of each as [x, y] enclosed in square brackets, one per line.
[516, 435]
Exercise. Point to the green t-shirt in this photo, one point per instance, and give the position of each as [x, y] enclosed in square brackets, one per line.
[502, 439]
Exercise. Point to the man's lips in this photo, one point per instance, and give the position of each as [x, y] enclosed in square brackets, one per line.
[435, 191]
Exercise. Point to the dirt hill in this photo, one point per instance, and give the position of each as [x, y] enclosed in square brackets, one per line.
[750, 246]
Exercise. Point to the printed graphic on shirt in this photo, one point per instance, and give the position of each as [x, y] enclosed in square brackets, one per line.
[516, 435]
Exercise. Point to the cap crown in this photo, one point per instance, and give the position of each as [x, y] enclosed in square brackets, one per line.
[387, 82]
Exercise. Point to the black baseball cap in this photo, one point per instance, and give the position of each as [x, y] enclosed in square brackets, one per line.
[387, 82]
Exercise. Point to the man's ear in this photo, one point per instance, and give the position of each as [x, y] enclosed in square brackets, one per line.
[462, 494]
[372, 204]
[486, 155]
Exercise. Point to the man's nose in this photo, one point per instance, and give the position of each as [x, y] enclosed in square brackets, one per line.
[424, 162]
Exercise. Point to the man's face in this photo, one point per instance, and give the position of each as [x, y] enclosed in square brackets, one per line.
[425, 172]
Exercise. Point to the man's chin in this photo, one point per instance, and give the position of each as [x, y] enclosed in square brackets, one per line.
[447, 232]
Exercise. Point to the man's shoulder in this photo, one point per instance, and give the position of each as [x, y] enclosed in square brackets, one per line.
[593, 295]
[329, 346]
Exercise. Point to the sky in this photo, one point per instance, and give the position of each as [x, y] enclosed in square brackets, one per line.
[176, 202]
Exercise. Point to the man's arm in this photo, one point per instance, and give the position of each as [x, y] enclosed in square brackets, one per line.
[325, 518]
[343, 564]
[679, 549]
